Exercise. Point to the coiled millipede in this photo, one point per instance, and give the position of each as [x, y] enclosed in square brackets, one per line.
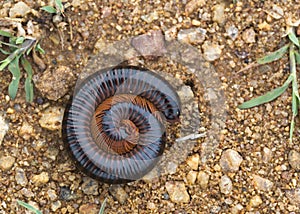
[114, 124]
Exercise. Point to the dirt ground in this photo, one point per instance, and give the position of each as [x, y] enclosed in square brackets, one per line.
[253, 168]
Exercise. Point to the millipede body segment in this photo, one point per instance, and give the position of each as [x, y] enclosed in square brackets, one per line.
[114, 124]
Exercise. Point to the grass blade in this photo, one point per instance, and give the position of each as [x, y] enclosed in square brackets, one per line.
[274, 55]
[294, 38]
[5, 33]
[29, 207]
[297, 56]
[14, 68]
[49, 9]
[268, 96]
[28, 81]
[102, 208]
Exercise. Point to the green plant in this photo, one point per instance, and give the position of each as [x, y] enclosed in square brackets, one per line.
[29, 207]
[102, 208]
[19, 47]
[58, 9]
[294, 57]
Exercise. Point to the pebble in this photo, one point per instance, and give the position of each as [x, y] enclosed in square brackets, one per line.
[51, 118]
[7, 162]
[151, 205]
[3, 128]
[211, 51]
[88, 209]
[54, 83]
[237, 209]
[40, 179]
[232, 31]
[119, 193]
[89, 186]
[230, 160]
[255, 201]
[193, 5]
[150, 17]
[26, 130]
[266, 155]
[185, 94]
[177, 192]
[249, 35]
[219, 13]
[191, 177]
[193, 161]
[192, 36]
[20, 177]
[225, 185]
[27, 193]
[150, 44]
[294, 196]
[20, 9]
[55, 206]
[171, 167]
[262, 184]
[202, 179]
[294, 159]
[52, 194]
[66, 194]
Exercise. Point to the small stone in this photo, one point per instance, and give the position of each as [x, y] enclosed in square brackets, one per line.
[191, 177]
[51, 118]
[40, 179]
[150, 17]
[55, 206]
[52, 153]
[266, 154]
[88, 209]
[225, 184]
[3, 128]
[20, 177]
[211, 51]
[185, 94]
[232, 32]
[264, 26]
[119, 193]
[151, 205]
[262, 184]
[249, 35]
[27, 193]
[230, 161]
[203, 179]
[255, 201]
[219, 13]
[20, 9]
[52, 194]
[193, 161]
[177, 192]
[66, 194]
[237, 209]
[151, 44]
[89, 186]
[54, 83]
[26, 130]
[172, 167]
[294, 196]
[7, 162]
[192, 35]
[193, 5]
[294, 159]
[171, 33]
[196, 22]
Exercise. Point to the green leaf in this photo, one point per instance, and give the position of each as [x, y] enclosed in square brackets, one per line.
[292, 128]
[4, 51]
[28, 81]
[297, 55]
[268, 96]
[13, 67]
[274, 55]
[39, 49]
[20, 40]
[5, 34]
[294, 38]
[29, 207]
[4, 63]
[49, 9]
[102, 208]
[59, 5]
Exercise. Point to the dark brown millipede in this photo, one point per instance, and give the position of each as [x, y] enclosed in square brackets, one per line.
[114, 124]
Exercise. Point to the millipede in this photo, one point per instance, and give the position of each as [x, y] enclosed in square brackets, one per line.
[114, 124]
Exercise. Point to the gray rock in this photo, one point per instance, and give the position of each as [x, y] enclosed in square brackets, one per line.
[230, 161]
[3, 128]
[249, 35]
[89, 186]
[262, 184]
[294, 159]
[294, 196]
[225, 185]
[20, 9]
[177, 192]
[20, 177]
[211, 51]
[7, 162]
[219, 13]
[118, 193]
[51, 118]
[232, 32]
[192, 5]
[55, 206]
[192, 35]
